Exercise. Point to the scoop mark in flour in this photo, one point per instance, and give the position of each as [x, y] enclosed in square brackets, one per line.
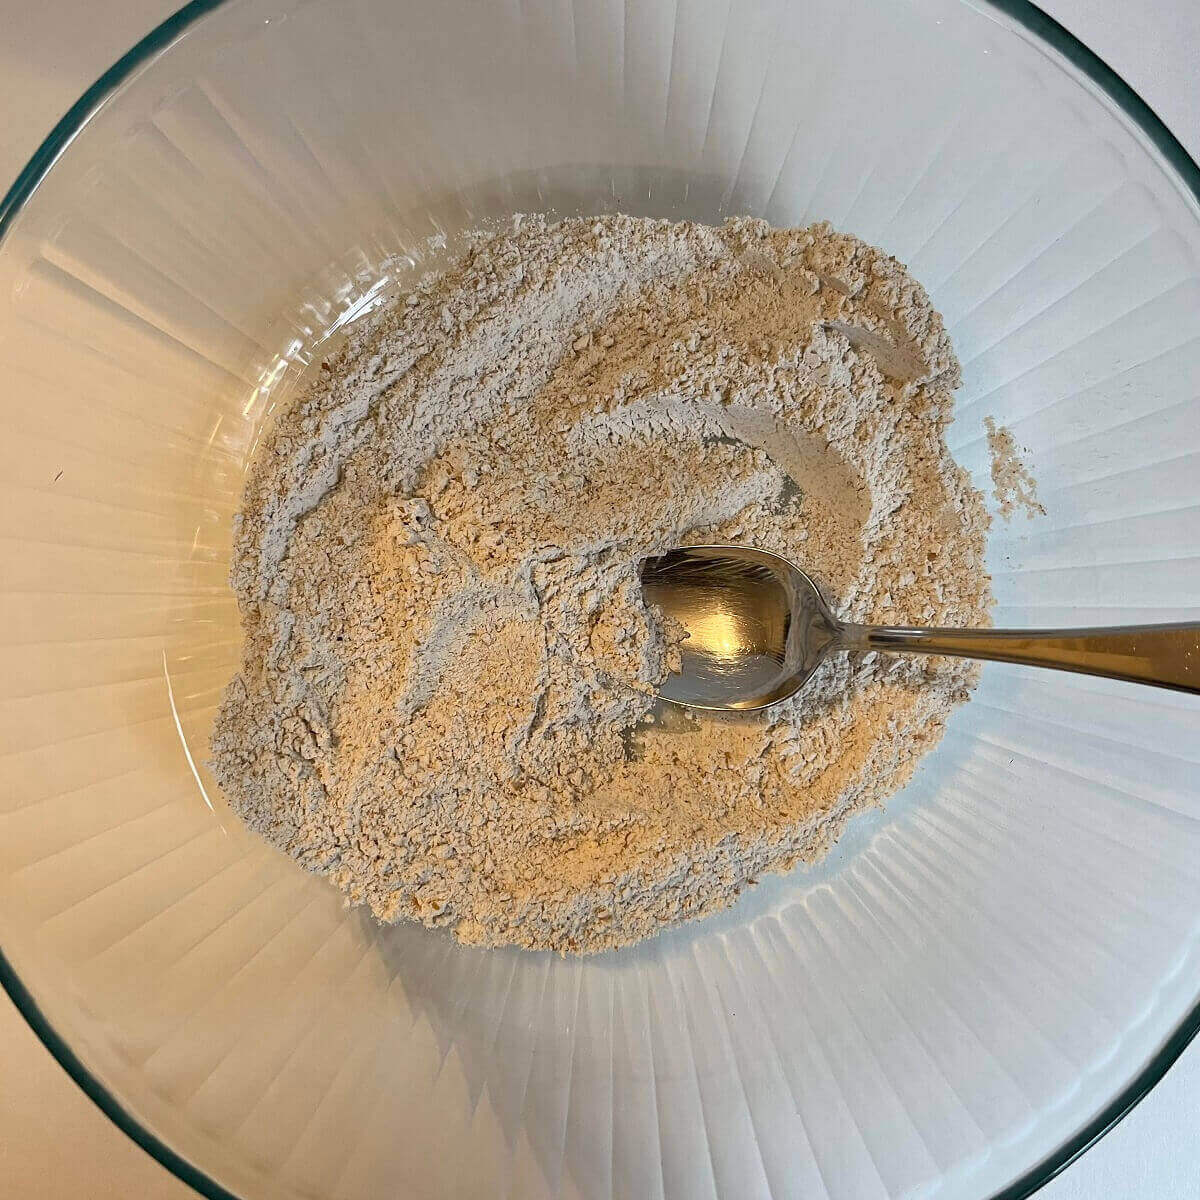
[899, 362]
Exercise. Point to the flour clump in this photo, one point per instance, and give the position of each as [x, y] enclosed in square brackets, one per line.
[1013, 483]
[446, 698]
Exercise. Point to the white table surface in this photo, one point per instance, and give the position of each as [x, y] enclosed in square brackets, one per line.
[53, 1142]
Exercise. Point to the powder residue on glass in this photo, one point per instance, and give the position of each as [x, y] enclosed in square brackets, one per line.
[446, 698]
[1013, 484]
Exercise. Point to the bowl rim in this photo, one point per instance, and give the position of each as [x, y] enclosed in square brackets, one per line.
[1029, 17]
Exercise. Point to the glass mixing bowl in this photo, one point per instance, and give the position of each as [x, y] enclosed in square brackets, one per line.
[974, 986]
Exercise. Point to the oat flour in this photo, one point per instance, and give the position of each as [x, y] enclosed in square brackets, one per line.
[1013, 484]
[445, 701]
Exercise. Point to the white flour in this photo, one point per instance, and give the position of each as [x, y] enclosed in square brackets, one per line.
[445, 702]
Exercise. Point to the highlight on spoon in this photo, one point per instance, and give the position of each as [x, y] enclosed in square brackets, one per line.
[756, 627]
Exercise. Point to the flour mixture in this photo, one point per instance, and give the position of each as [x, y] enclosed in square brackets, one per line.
[446, 696]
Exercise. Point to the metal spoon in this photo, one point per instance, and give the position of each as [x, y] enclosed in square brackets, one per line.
[758, 628]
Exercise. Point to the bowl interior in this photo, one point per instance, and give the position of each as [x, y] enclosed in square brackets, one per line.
[967, 981]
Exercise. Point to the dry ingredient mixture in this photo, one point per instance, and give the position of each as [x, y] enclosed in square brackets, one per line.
[1013, 484]
[446, 696]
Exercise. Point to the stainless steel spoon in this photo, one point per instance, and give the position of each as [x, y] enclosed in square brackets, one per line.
[758, 628]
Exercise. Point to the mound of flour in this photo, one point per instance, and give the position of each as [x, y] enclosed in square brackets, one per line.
[446, 698]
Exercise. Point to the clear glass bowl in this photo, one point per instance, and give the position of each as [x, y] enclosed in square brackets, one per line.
[979, 980]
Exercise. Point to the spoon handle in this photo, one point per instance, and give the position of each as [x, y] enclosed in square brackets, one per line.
[1164, 655]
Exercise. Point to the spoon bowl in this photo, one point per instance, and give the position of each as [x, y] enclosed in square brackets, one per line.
[757, 626]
